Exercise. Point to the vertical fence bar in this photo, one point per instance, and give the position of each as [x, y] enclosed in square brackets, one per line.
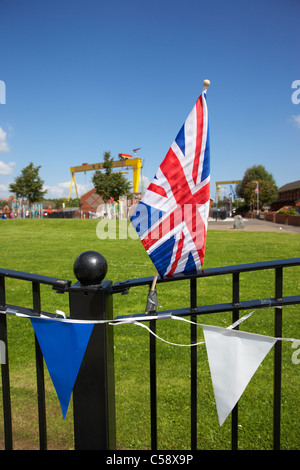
[193, 304]
[5, 373]
[277, 360]
[94, 389]
[235, 317]
[39, 361]
[153, 386]
[41, 396]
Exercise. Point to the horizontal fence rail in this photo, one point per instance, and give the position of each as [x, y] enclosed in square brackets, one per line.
[96, 301]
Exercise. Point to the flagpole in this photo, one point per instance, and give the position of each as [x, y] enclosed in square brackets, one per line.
[154, 280]
[206, 84]
[151, 292]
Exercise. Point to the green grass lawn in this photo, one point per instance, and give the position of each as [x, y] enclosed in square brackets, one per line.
[50, 247]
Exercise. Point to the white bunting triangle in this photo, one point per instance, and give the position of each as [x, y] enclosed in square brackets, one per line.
[233, 357]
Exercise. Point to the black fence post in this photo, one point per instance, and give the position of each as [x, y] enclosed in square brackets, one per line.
[5, 373]
[94, 391]
[235, 317]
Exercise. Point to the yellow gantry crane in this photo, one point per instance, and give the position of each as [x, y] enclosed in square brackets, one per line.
[219, 183]
[125, 161]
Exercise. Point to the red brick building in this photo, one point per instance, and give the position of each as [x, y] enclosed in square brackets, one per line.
[288, 195]
[90, 201]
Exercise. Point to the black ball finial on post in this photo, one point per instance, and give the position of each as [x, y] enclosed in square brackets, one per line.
[90, 268]
[94, 391]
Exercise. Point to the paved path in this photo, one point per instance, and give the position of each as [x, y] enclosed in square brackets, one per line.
[252, 225]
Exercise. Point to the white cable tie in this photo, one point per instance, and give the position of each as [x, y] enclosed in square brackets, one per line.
[59, 312]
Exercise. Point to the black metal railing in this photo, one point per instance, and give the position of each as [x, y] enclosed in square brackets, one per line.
[94, 391]
[36, 281]
[278, 301]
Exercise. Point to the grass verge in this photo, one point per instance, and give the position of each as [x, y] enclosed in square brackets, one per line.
[49, 247]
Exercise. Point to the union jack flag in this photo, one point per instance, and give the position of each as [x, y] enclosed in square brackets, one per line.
[171, 219]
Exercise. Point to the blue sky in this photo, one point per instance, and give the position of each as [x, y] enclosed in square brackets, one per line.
[86, 76]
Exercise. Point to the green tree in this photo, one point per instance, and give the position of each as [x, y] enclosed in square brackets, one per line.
[110, 185]
[63, 200]
[28, 185]
[267, 187]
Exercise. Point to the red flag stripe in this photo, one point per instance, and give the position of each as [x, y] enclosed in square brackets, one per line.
[177, 180]
[178, 255]
[157, 189]
[199, 117]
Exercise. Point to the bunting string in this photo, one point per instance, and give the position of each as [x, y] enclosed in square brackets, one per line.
[63, 318]
[233, 355]
[165, 341]
[175, 317]
[136, 321]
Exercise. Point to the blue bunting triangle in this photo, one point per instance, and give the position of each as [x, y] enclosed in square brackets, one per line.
[63, 345]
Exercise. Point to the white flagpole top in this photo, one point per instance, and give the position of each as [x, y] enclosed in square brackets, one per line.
[206, 84]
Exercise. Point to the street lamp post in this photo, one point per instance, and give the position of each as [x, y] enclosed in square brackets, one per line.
[257, 197]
